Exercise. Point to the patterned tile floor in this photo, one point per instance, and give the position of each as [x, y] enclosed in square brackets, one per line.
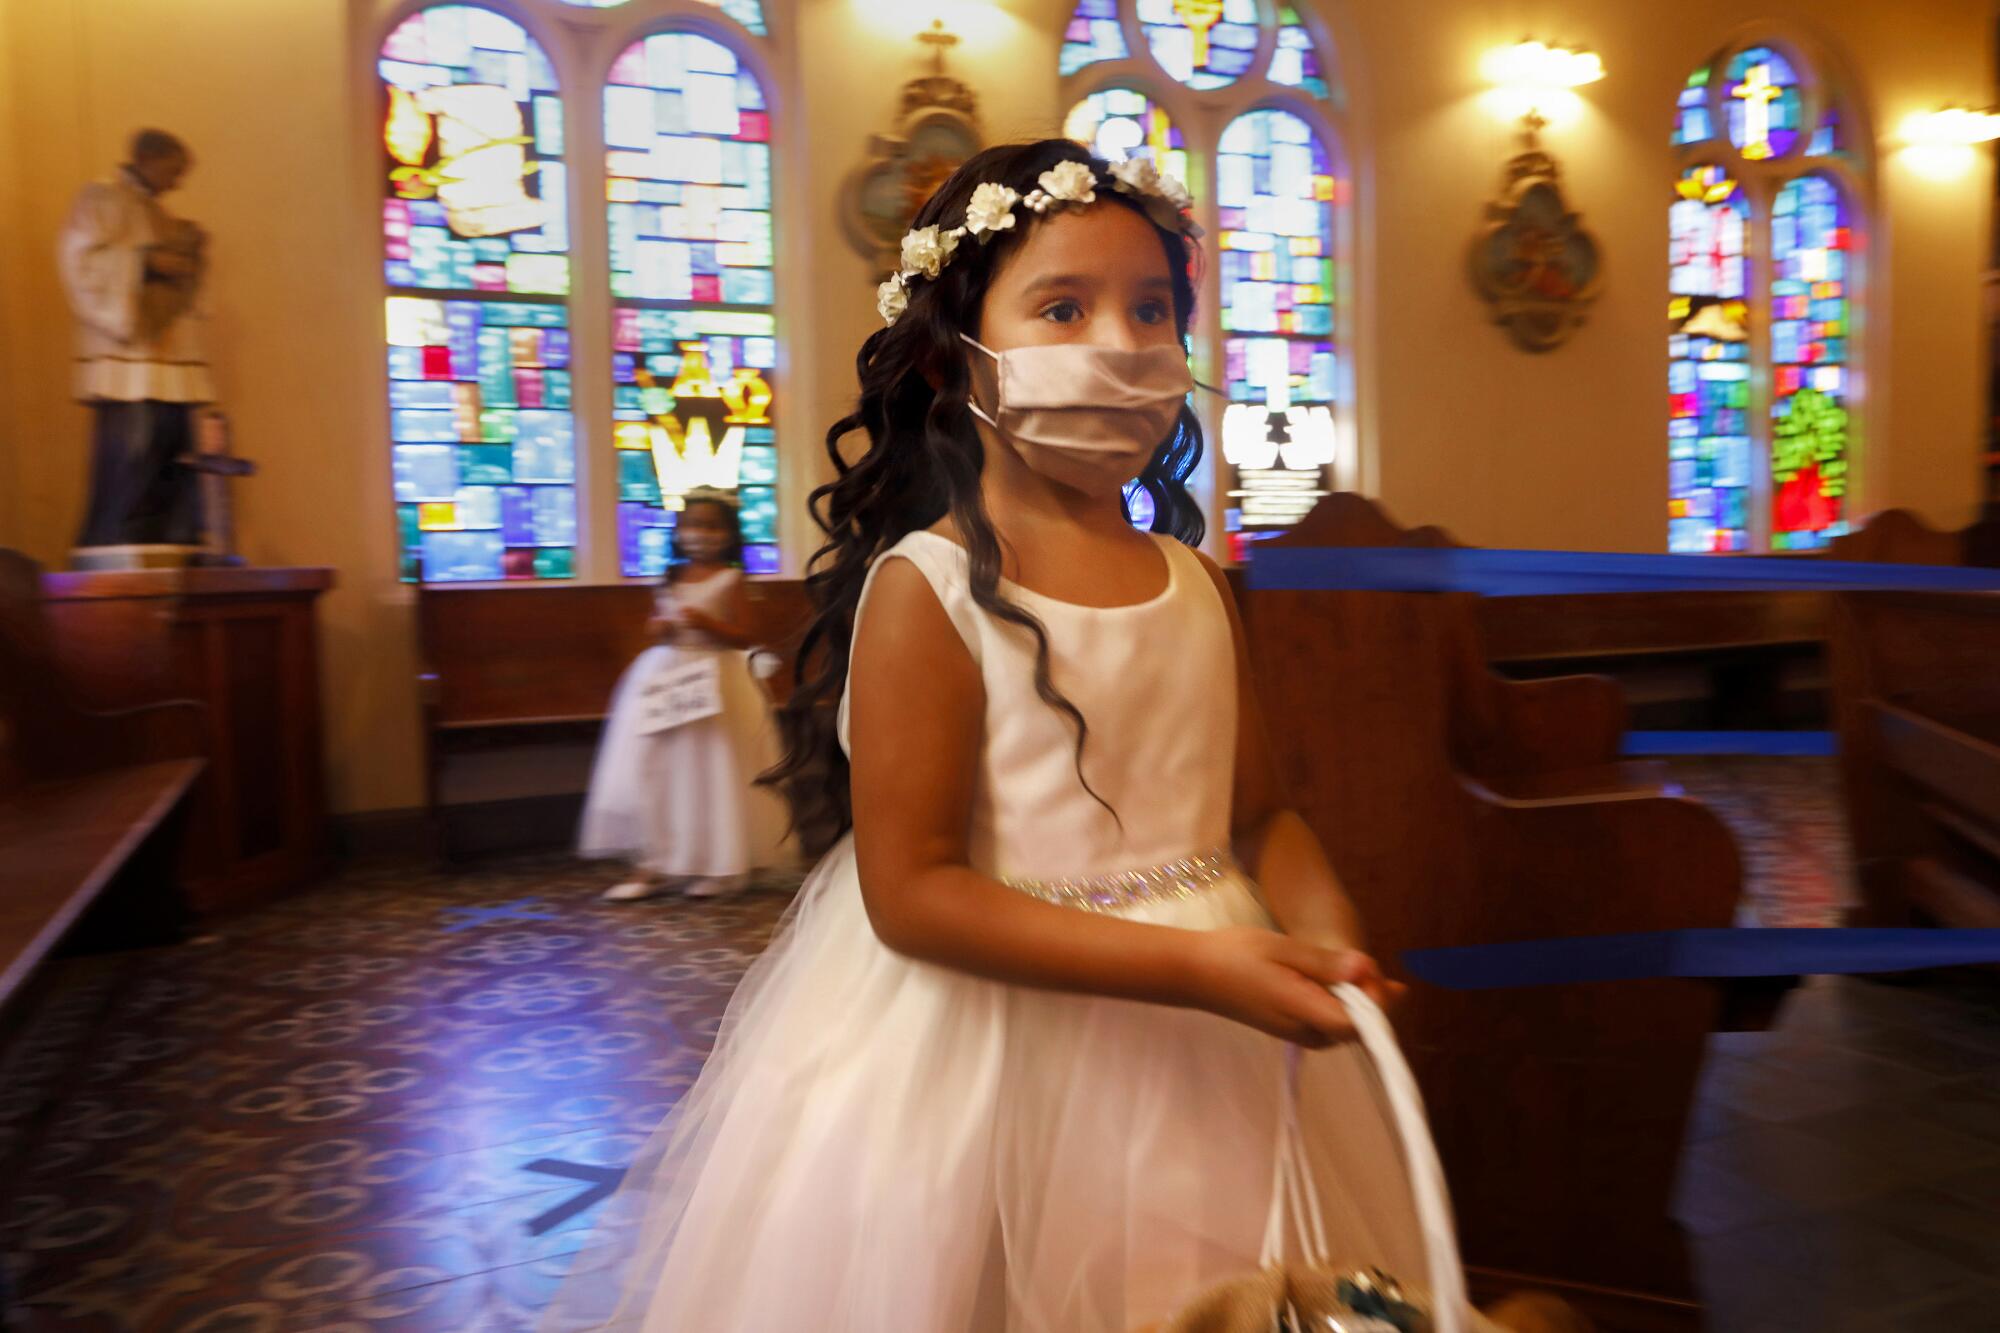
[376, 1106]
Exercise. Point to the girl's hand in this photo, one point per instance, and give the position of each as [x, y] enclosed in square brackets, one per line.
[698, 619]
[1368, 973]
[1278, 984]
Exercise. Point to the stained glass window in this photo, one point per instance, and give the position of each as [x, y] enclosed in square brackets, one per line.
[1119, 123]
[1708, 375]
[1272, 190]
[476, 257]
[1296, 61]
[1691, 116]
[1760, 368]
[1093, 34]
[749, 13]
[1810, 255]
[695, 354]
[1276, 186]
[1202, 43]
[1762, 94]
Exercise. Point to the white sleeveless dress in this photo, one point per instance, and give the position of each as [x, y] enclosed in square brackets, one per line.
[881, 1145]
[684, 803]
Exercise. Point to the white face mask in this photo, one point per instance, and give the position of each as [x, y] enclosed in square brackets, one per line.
[1088, 417]
[698, 544]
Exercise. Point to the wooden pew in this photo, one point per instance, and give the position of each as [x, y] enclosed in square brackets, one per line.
[1898, 537]
[92, 804]
[1917, 699]
[1462, 808]
[1735, 649]
[526, 667]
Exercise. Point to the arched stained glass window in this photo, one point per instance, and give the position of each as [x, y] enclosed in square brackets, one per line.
[476, 258]
[1709, 377]
[1276, 188]
[695, 353]
[1810, 255]
[1764, 237]
[1271, 191]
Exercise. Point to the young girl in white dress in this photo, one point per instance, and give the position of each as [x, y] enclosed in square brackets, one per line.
[1016, 1060]
[683, 804]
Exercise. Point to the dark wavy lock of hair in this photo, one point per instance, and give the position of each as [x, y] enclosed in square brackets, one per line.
[923, 462]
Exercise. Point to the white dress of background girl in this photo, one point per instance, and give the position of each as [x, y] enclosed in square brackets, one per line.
[682, 803]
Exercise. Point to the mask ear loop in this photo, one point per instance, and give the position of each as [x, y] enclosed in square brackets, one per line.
[973, 403]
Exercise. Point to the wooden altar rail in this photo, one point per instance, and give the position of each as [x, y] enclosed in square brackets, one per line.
[245, 643]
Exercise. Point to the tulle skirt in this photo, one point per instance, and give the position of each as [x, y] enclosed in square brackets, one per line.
[880, 1145]
[684, 802]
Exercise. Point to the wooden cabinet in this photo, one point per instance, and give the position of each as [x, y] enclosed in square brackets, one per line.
[245, 644]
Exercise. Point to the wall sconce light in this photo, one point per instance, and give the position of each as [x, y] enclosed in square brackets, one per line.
[1537, 82]
[1535, 66]
[1942, 145]
[1951, 127]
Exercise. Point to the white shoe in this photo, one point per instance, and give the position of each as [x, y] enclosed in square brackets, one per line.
[635, 890]
[716, 888]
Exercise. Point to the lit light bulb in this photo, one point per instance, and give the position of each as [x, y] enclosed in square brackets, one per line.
[1536, 66]
[1953, 127]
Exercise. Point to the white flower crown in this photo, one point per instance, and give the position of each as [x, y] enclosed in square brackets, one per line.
[991, 211]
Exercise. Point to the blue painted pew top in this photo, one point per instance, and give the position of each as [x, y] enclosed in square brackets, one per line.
[1724, 952]
[1493, 573]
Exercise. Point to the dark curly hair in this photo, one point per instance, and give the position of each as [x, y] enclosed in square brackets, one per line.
[924, 460]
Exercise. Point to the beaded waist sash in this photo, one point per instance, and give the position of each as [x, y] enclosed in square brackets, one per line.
[1128, 888]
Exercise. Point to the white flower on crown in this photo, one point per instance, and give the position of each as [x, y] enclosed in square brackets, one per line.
[991, 210]
[1139, 176]
[926, 249]
[1136, 175]
[1069, 183]
[892, 298]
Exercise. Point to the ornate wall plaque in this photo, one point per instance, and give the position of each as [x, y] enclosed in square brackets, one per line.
[937, 128]
[1532, 260]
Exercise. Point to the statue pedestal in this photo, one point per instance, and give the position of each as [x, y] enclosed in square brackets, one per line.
[245, 643]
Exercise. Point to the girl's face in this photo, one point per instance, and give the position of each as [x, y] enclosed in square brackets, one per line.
[1092, 276]
[703, 533]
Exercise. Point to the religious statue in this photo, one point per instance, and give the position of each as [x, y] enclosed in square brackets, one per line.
[133, 272]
